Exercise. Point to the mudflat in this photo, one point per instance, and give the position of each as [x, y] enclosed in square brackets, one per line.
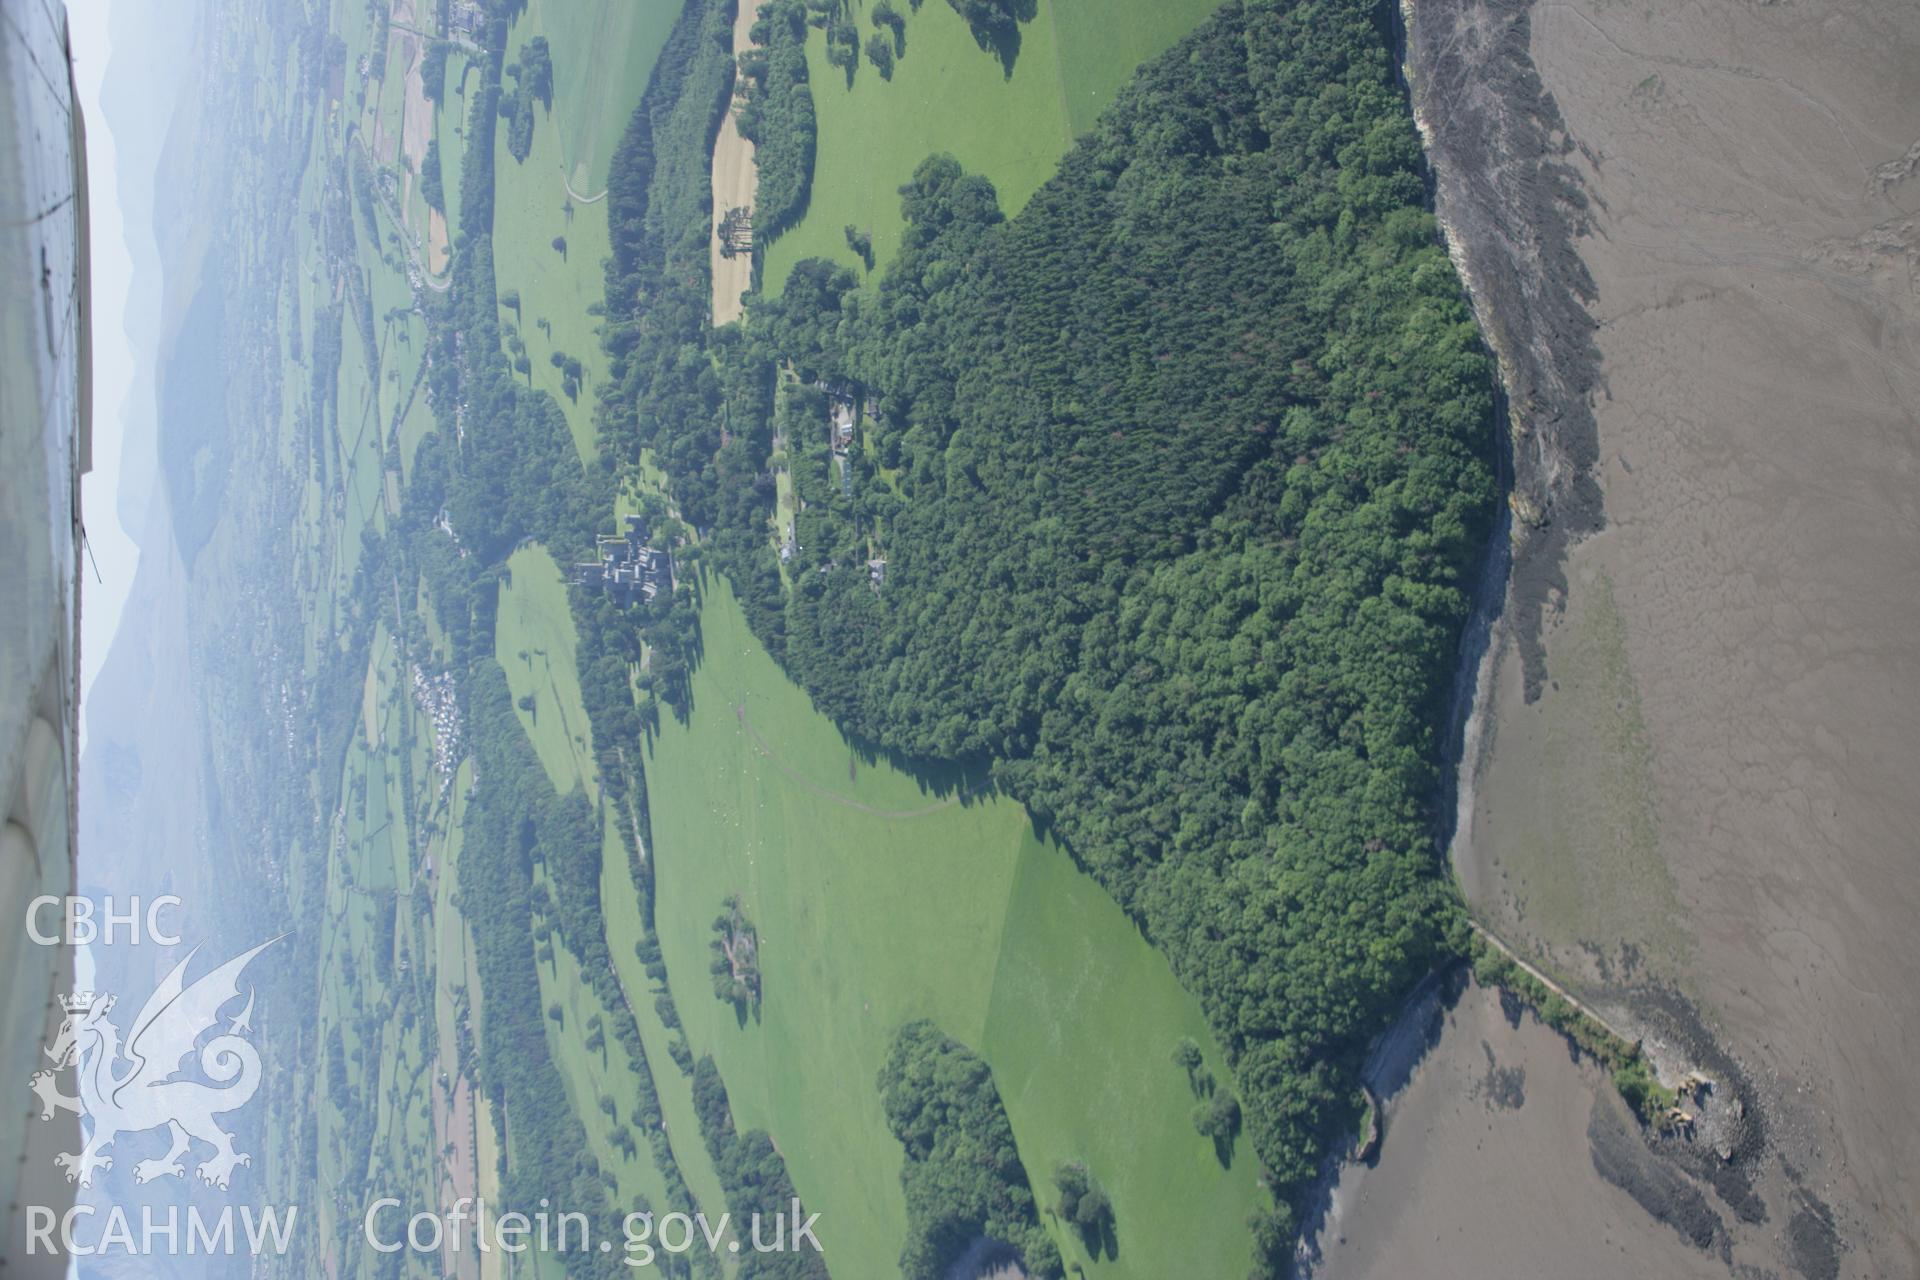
[1690, 789]
[1483, 1168]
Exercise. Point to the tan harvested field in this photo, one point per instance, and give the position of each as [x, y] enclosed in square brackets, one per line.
[453, 1124]
[493, 1265]
[733, 183]
[416, 130]
[416, 113]
[1693, 791]
[438, 256]
[1483, 1170]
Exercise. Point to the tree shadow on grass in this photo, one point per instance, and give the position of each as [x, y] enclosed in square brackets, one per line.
[967, 779]
[995, 25]
[1099, 1239]
[1006, 47]
[1223, 1147]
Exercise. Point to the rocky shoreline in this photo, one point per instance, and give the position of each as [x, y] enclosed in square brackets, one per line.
[1511, 207]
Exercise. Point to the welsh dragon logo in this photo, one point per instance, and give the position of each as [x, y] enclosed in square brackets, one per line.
[147, 1094]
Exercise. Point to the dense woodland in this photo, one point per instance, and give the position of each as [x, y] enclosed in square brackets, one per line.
[431, 189]
[735, 967]
[1177, 476]
[963, 1178]
[777, 116]
[533, 82]
[504, 822]
[757, 1185]
[671, 386]
[433, 70]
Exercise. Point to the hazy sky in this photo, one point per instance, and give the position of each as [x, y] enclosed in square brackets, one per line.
[103, 598]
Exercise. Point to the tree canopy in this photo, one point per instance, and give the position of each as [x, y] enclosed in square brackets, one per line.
[963, 1177]
[777, 117]
[1177, 479]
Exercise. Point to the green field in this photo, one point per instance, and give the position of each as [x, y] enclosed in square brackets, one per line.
[449, 129]
[947, 95]
[528, 212]
[1100, 44]
[358, 463]
[535, 621]
[621, 914]
[878, 901]
[372, 985]
[602, 55]
[392, 90]
[620, 906]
